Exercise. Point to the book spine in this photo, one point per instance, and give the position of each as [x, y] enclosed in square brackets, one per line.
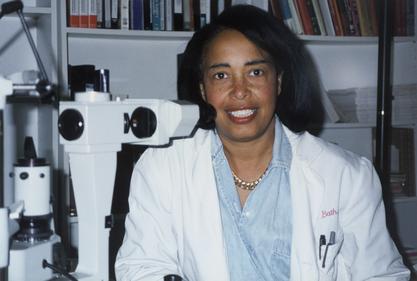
[286, 14]
[296, 16]
[147, 15]
[178, 15]
[373, 11]
[305, 17]
[162, 14]
[343, 14]
[208, 10]
[169, 15]
[99, 8]
[203, 13]
[362, 18]
[276, 11]
[327, 17]
[124, 14]
[313, 17]
[107, 13]
[115, 14]
[92, 13]
[133, 17]
[74, 13]
[319, 16]
[337, 21]
[186, 15]
[156, 14]
[354, 13]
[83, 13]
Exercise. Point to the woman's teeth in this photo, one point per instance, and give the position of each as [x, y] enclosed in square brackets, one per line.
[242, 113]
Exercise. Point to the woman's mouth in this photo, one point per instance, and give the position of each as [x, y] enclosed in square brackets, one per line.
[242, 113]
[242, 116]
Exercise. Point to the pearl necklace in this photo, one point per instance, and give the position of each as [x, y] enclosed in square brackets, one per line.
[247, 185]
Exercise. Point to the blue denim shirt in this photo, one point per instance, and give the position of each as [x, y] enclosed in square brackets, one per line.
[257, 236]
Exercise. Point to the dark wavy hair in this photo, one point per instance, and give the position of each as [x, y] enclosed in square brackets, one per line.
[297, 105]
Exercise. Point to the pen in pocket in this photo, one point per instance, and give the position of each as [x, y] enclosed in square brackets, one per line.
[322, 242]
[332, 241]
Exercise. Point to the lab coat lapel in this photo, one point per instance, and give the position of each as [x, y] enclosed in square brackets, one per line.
[206, 236]
[307, 191]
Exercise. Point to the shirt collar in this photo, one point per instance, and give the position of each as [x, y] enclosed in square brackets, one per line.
[281, 150]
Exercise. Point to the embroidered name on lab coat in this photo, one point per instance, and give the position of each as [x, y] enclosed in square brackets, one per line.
[328, 213]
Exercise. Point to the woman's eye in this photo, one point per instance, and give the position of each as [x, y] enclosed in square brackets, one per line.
[256, 72]
[220, 75]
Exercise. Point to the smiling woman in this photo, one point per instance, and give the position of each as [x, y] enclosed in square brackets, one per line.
[252, 195]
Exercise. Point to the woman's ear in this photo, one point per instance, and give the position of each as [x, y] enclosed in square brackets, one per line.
[279, 82]
[202, 92]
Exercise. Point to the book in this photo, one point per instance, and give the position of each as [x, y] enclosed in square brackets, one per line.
[178, 15]
[345, 17]
[136, 14]
[319, 17]
[296, 16]
[124, 14]
[337, 20]
[107, 13]
[204, 12]
[354, 13]
[84, 13]
[365, 21]
[100, 15]
[187, 15]
[305, 17]
[169, 15]
[287, 17]
[74, 13]
[115, 15]
[274, 9]
[195, 14]
[162, 14]
[92, 14]
[373, 11]
[158, 14]
[327, 17]
[313, 17]
[147, 15]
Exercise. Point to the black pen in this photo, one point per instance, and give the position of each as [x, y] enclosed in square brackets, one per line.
[322, 242]
[332, 241]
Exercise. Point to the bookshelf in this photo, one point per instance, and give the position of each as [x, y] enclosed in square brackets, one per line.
[143, 64]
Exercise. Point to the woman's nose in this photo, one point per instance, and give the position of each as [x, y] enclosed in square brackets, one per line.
[240, 88]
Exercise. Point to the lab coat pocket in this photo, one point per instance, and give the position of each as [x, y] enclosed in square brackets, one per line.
[280, 260]
[329, 262]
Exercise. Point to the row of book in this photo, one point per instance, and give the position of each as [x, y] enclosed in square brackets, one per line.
[309, 17]
[343, 17]
[177, 15]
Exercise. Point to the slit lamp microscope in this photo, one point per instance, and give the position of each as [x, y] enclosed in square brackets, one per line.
[92, 130]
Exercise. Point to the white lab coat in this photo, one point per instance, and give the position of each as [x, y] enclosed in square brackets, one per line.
[174, 225]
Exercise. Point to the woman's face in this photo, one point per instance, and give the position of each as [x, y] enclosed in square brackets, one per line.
[241, 83]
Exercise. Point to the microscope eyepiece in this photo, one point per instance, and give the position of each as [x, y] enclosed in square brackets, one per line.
[71, 124]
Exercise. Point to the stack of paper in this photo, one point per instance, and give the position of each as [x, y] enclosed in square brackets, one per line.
[359, 104]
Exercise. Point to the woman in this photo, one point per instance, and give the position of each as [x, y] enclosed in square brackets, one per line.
[252, 196]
